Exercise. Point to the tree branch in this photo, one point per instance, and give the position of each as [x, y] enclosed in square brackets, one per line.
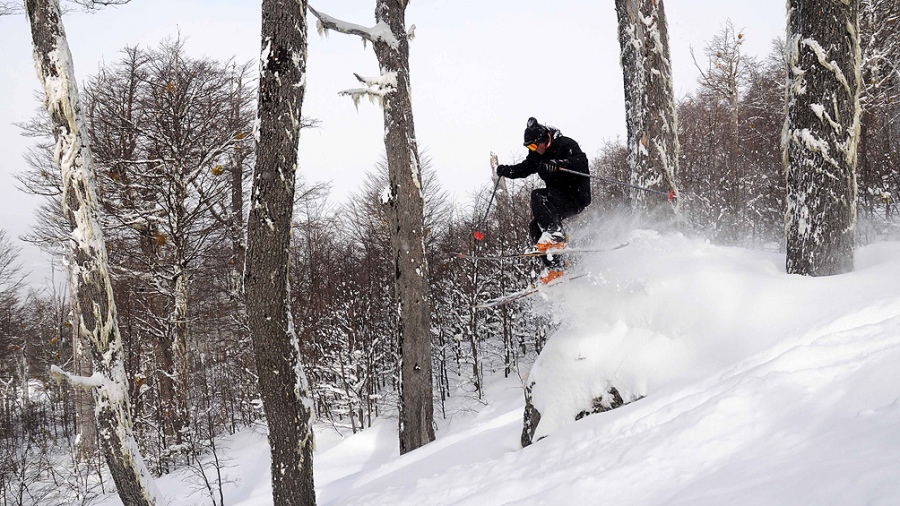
[8, 8]
[380, 32]
[86, 383]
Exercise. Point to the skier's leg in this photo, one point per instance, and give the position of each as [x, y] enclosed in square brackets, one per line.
[534, 231]
[544, 211]
[559, 204]
[562, 205]
[546, 219]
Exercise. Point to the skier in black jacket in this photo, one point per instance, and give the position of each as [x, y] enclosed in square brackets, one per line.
[565, 194]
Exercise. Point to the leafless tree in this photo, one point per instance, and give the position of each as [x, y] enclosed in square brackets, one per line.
[282, 381]
[723, 78]
[164, 127]
[390, 40]
[879, 29]
[91, 287]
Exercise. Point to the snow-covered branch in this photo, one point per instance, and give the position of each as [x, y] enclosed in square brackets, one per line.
[380, 32]
[81, 382]
[376, 88]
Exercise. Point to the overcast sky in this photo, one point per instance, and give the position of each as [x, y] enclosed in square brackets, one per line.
[479, 70]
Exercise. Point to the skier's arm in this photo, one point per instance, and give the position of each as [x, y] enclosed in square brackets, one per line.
[573, 159]
[524, 168]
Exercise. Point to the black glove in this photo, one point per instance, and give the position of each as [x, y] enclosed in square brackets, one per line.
[550, 166]
[504, 170]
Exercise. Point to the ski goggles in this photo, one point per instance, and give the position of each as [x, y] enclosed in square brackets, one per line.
[532, 146]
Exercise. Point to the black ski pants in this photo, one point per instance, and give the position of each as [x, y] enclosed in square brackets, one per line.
[549, 206]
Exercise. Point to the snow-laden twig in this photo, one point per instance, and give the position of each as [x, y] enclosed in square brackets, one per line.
[376, 88]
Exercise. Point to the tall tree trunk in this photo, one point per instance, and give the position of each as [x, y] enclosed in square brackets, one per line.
[405, 214]
[238, 247]
[407, 233]
[85, 423]
[821, 135]
[282, 382]
[181, 371]
[650, 117]
[92, 291]
[236, 172]
[735, 166]
[177, 372]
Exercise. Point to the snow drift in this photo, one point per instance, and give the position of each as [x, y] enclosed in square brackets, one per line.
[758, 388]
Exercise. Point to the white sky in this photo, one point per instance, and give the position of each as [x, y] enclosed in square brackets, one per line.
[479, 70]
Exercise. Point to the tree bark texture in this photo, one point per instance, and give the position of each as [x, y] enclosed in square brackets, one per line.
[650, 115]
[821, 135]
[406, 217]
[85, 423]
[91, 288]
[282, 381]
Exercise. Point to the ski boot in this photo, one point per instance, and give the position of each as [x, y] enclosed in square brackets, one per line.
[551, 273]
[551, 241]
[554, 266]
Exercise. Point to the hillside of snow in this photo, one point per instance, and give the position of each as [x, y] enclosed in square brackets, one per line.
[753, 387]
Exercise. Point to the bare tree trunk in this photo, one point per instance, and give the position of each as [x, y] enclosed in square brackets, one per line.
[282, 382]
[238, 246]
[821, 135]
[407, 234]
[85, 424]
[181, 371]
[476, 361]
[177, 372]
[406, 216]
[735, 167]
[92, 291]
[652, 128]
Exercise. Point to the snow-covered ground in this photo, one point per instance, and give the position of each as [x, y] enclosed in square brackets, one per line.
[758, 388]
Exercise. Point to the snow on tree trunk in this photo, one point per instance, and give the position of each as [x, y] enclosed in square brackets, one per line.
[652, 128]
[282, 381]
[406, 212]
[821, 135]
[177, 372]
[235, 172]
[85, 423]
[236, 223]
[181, 370]
[90, 278]
[407, 233]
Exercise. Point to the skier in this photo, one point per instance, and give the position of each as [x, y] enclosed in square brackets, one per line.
[565, 194]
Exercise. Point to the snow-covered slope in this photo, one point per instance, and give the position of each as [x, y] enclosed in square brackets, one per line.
[758, 388]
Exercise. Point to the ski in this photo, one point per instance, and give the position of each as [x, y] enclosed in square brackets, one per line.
[534, 288]
[536, 253]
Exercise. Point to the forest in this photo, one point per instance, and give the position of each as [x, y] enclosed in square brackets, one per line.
[176, 155]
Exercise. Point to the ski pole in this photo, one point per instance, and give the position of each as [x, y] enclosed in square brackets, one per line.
[479, 235]
[670, 194]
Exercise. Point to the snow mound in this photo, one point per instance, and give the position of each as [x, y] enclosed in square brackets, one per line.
[667, 311]
[759, 388]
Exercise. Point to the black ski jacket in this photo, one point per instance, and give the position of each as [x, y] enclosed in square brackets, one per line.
[566, 154]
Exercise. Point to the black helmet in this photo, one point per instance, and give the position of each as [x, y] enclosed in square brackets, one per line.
[535, 133]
